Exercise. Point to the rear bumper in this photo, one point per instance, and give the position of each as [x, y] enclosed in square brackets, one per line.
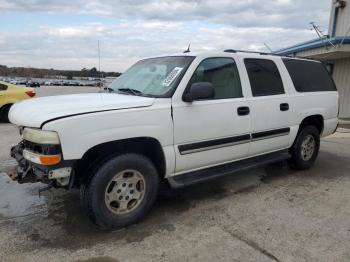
[59, 175]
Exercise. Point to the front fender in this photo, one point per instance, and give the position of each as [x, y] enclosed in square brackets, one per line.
[80, 133]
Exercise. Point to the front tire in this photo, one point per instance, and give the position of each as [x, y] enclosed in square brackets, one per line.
[305, 148]
[4, 113]
[121, 191]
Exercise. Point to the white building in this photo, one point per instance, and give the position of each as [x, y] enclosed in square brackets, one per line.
[333, 50]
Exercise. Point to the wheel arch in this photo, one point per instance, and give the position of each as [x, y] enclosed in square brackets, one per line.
[148, 146]
[3, 116]
[7, 104]
[316, 120]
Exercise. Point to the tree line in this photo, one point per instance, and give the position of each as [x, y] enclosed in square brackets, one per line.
[40, 72]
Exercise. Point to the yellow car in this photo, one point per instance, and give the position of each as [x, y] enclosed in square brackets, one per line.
[10, 94]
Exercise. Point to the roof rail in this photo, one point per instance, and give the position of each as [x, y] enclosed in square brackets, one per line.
[252, 52]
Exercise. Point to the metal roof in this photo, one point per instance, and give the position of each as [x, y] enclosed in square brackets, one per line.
[313, 44]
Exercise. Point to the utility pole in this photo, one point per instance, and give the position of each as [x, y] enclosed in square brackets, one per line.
[99, 58]
[99, 64]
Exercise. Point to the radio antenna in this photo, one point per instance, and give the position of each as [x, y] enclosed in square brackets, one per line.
[188, 48]
[268, 48]
[320, 34]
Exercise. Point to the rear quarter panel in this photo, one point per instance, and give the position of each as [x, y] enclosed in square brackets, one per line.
[304, 104]
[325, 104]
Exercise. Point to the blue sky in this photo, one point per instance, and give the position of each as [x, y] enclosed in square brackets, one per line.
[63, 34]
[20, 21]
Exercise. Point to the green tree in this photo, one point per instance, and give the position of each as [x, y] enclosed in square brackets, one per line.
[93, 72]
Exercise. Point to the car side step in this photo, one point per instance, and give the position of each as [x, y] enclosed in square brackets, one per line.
[226, 169]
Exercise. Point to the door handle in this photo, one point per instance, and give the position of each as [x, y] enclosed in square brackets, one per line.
[243, 111]
[284, 107]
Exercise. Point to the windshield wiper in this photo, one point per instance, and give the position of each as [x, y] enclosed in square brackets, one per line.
[130, 91]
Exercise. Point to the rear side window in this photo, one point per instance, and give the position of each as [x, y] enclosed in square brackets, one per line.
[264, 77]
[309, 76]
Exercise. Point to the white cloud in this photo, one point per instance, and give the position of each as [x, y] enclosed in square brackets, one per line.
[70, 31]
[285, 13]
[146, 28]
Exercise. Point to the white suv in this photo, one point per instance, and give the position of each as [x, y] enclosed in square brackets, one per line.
[182, 119]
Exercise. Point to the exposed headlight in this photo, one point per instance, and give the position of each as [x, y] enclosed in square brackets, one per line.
[47, 160]
[41, 136]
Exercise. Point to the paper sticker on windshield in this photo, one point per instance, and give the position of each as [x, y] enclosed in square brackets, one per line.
[172, 76]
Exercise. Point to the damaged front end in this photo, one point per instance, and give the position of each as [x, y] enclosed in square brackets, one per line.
[23, 172]
[39, 159]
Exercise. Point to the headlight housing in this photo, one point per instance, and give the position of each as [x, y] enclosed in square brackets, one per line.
[46, 160]
[41, 136]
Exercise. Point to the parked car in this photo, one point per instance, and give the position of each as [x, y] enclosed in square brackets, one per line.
[10, 94]
[22, 82]
[58, 83]
[33, 84]
[176, 120]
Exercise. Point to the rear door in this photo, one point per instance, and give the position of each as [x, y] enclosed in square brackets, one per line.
[214, 131]
[270, 106]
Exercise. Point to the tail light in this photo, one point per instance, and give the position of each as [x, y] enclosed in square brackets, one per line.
[31, 93]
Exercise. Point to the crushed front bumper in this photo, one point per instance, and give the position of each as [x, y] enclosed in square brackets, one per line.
[23, 172]
[60, 175]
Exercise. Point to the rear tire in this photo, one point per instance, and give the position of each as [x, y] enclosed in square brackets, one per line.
[305, 148]
[4, 113]
[121, 191]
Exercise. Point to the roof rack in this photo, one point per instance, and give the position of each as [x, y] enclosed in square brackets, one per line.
[251, 52]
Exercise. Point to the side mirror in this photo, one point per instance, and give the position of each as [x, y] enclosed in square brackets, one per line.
[199, 91]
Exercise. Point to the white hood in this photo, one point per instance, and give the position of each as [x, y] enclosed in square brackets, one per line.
[34, 112]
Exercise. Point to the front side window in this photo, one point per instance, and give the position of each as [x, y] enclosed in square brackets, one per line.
[264, 77]
[155, 77]
[223, 74]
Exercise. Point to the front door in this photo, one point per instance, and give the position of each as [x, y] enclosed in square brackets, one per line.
[214, 131]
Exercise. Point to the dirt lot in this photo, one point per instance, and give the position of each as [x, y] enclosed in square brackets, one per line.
[270, 213]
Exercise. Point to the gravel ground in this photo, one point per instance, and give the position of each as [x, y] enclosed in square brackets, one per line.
[269, 213]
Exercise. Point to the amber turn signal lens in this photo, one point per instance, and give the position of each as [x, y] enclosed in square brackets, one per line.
[50, 160]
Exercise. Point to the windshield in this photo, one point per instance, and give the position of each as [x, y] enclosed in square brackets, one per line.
[156, 77]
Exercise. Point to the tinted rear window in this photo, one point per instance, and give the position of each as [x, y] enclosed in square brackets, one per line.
[309, 76]
[264, 77]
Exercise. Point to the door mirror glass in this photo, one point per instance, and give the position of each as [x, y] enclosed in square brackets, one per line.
[200, 91]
